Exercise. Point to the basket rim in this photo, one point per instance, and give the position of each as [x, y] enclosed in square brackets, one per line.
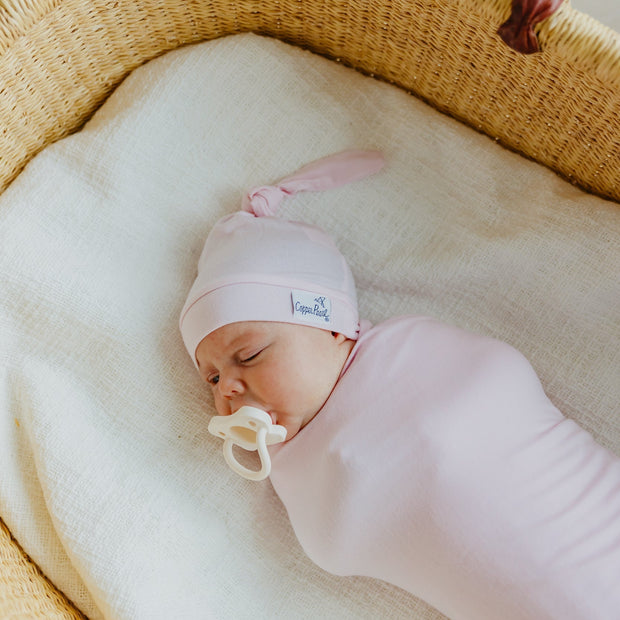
[579, 38]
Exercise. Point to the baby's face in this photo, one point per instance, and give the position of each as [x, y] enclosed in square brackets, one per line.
[287, 370]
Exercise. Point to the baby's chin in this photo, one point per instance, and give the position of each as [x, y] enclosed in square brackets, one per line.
[293, 426]
[291, 432]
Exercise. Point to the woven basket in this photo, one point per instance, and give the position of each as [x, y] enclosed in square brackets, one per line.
[60, 59]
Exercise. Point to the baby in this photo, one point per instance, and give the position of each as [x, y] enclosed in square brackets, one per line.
[416, 452]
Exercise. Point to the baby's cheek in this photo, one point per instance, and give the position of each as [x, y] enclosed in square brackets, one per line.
[271, 382]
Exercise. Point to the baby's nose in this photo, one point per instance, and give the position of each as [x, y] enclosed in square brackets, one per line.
[230, 386]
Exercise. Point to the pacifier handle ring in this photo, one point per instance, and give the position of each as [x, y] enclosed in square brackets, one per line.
[263, 454]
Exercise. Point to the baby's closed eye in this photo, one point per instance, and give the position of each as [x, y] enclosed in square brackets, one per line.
[250, 358]
[251, 355]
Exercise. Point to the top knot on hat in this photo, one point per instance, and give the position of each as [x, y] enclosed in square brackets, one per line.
[256, 267]
[326, 173]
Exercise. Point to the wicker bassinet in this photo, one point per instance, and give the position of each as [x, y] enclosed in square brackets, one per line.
[60, 59]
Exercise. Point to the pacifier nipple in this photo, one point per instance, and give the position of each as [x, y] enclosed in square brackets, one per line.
[251, 429]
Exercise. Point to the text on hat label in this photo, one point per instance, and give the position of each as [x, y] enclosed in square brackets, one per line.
[312, 307]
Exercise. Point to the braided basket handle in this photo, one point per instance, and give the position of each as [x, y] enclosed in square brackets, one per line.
[518, 31]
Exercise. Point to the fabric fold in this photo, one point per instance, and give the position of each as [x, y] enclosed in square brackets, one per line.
[518, 31]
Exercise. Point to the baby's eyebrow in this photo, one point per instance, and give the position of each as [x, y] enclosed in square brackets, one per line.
[203, 370]
[244, 341]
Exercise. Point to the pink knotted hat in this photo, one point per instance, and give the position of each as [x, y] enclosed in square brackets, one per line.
[258, 267]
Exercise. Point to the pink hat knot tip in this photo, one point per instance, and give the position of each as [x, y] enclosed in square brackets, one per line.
[263, 201]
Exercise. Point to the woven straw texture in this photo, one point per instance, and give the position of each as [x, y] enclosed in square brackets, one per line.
[60, 59]
[24, 591]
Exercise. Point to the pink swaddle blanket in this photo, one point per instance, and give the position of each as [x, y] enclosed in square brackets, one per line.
[438, 464]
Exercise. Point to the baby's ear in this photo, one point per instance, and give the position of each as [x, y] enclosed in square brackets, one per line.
[340, 338]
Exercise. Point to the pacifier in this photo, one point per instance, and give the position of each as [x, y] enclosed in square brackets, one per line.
[251, 429]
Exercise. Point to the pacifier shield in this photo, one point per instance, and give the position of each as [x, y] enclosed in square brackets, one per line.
[251, 429]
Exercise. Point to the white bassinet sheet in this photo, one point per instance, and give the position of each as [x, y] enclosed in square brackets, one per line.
[110, 479]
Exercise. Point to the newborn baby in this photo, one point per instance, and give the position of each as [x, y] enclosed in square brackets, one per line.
[416, 452]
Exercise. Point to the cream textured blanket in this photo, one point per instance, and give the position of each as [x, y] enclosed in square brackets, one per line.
[110, 479]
